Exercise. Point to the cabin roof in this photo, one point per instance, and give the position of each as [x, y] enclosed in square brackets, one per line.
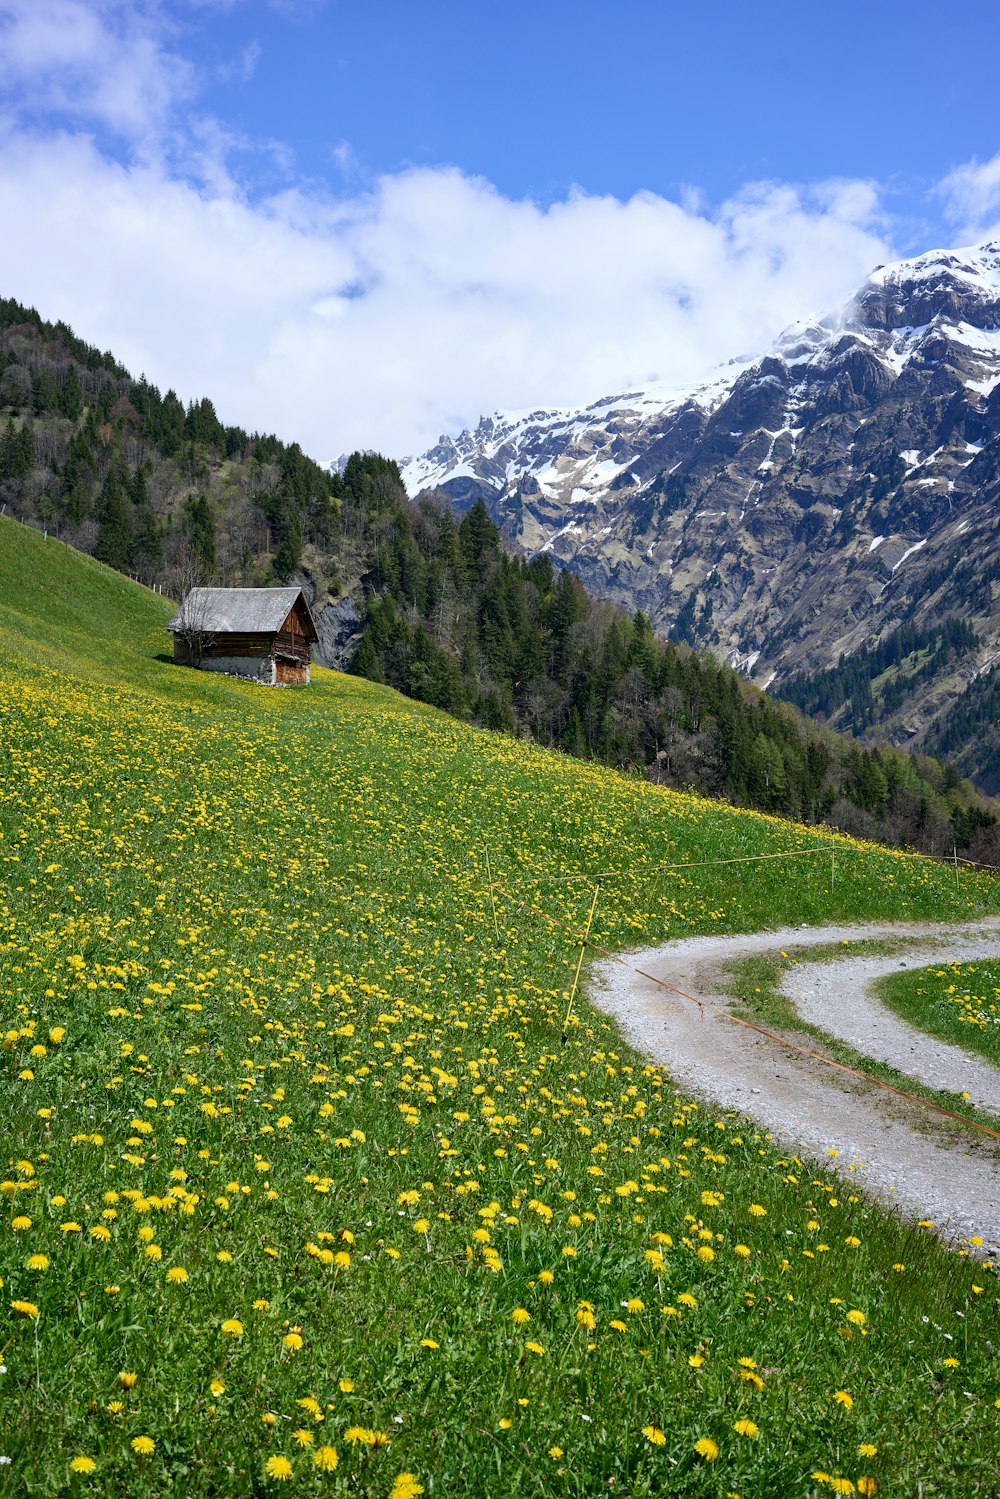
[239, 611]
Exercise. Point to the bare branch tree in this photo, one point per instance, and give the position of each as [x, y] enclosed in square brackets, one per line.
[193, 628]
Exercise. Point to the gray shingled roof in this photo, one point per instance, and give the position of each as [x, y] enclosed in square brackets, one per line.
[244, 611]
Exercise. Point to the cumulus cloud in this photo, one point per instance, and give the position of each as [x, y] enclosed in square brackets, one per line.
[387, 313]
[387, 317]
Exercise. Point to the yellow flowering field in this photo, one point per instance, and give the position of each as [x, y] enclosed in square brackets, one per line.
[959, 1002]
[309, 1186]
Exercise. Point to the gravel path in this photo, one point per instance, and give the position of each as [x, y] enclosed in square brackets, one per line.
[894, 1148]
[836, 996]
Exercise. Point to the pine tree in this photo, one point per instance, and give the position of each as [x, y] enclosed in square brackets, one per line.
[201, 532]
[289, 554]
[113, 511]
[71, 394]
[78, 479]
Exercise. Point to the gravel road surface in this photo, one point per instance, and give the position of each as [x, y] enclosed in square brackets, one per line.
[896, 1150]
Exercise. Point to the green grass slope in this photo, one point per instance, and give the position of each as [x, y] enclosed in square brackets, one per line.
[959, 1002]
[302, 1189]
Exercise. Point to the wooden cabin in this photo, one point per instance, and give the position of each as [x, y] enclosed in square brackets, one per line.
[261, 633]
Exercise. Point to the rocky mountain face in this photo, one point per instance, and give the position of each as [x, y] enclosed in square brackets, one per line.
[797, 509]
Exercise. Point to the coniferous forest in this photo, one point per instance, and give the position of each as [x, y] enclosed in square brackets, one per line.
[436, 607]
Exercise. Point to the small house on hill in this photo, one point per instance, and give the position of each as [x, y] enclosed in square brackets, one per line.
[261, 633]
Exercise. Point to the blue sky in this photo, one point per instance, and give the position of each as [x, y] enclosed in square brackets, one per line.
[365, 224]
[654, 95]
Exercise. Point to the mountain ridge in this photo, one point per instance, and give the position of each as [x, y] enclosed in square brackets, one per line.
[796, 508]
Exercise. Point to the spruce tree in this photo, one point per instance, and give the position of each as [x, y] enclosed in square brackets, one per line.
[289, 553]
[113, 512]
[71, 394]
[201, 532]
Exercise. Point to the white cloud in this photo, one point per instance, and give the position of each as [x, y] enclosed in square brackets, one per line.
[390, 313]
[101, 62]
[972, 198]
[383, 319]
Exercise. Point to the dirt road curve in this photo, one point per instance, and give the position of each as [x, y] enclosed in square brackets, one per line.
[895, 1149]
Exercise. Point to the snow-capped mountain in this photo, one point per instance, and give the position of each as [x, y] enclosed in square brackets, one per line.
[796, 507]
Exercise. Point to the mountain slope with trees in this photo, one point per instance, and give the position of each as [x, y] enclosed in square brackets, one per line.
[798, 509]
[436, 607]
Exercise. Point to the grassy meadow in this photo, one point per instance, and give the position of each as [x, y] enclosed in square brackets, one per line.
[958, 1002]
[305, 1192]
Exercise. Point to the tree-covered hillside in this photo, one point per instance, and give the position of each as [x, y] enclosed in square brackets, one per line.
[433, 607]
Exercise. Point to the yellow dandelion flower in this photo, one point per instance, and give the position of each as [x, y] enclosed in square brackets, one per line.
[858, 1318]
[546, 1278]
[143, 1446]
[842, 1485]
[293, 1341]
[346, 1386]
[405, 1486]
[20, 1224]
[867, 1449]
[756, 1211]
[654, 1435]
[746, 1428]
[867, 1485]
[707, 1449]
[278, 1468]
[38, 1262]
[326, 1458]
[429, 1343]
[233, 1327]
[217, 1388]
[742, 1251]
[505, 1423]
[84, 1465]
[177, 1275]
[421, 1226]
[519, 1315]
[555, 1452]
[303, 1436]
[844, 1399]
[128, 1379]
[534, 1347]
